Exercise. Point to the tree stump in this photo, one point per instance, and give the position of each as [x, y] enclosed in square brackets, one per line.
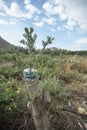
[39, 101]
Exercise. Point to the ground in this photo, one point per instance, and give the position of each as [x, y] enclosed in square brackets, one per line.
[70, 110]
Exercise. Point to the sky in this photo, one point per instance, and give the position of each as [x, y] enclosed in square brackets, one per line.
[65, 20]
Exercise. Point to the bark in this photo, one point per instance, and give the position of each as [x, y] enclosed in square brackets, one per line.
[39, 101]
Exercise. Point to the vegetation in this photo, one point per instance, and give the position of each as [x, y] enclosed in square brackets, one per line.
[49, 41]
[29, 39]
[64, 76]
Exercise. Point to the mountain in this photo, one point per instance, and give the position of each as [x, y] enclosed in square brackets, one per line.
[4, 45]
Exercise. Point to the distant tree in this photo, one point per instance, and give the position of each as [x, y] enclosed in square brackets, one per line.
[29, 39]
[47, 42]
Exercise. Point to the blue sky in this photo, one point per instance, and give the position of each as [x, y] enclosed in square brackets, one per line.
[65, 20]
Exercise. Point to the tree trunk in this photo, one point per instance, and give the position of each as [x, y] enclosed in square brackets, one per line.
[39, 101]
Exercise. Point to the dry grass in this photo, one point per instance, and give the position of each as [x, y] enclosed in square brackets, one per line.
[80, 67]
[6, 64]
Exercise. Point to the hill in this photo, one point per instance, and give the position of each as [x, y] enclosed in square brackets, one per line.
[4, 45]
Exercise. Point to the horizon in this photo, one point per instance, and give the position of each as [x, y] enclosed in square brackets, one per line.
[65, 20]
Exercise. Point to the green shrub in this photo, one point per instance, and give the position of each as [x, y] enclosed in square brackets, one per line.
[6, 96]
[13, 95]
[69, 76]
[6, 56]
[56, 88]
[14, 72]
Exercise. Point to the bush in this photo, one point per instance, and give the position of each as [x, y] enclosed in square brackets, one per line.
[80, 67]
[56, 88]
[13, 95]
[6, 56]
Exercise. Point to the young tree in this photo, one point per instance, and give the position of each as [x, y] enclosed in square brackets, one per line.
[45, 43]
[29, 39]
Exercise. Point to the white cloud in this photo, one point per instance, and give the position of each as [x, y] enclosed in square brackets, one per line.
[50, 20]
[14, 10]
[2, 14]
[12, 22]
[27, 1]
[63, 16]
[58, 9]
[36, 18]
[60, 28]
[74, 12]
[2, 4]
[51, 9]
[69, 34]
[81, 41]
[39, 24]
[3, 22]
[77, 12]
[31, 8]
[70, 24]
[53, 30]
[48, 7]
[27, 15]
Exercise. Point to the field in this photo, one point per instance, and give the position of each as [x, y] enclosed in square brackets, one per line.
[64, 76]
